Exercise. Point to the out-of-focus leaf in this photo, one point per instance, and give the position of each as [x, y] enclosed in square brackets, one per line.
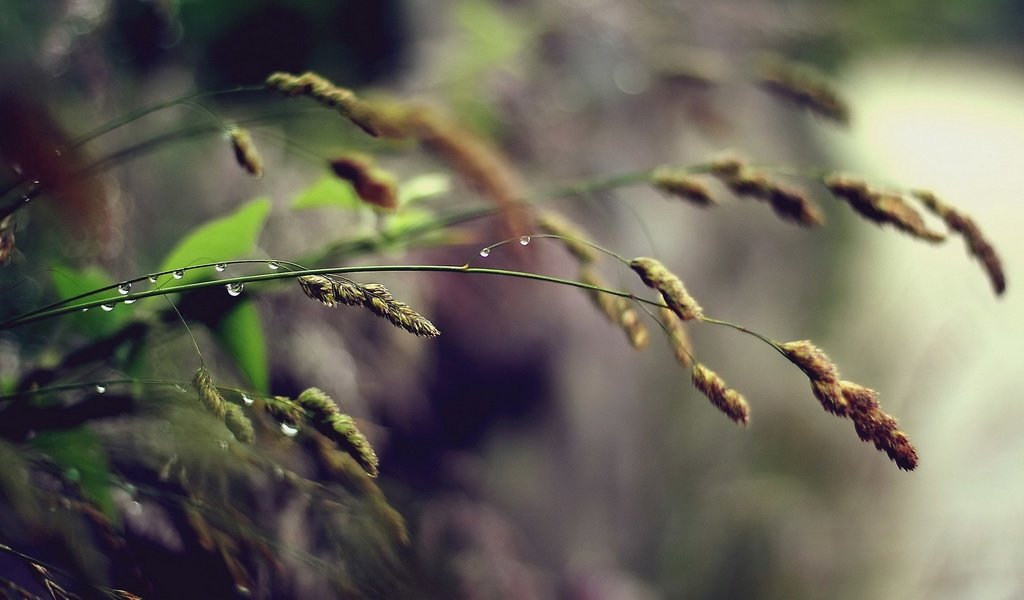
[423, 187]
[96, 323]
[406, 219]
[80, 453]
[328, 191]
[225, 238]
[240, 333]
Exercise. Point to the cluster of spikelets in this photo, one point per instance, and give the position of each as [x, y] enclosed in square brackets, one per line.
[374, 296]
[312, 407]
[805, 88]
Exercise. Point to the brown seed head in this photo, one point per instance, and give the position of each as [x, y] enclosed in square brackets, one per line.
[325, 417]
[319, 288]
[239, 425]
[821, 371]
[727, 400]
[380, 301]
[880, 207]
[806, 89]
[373, 185]
[681, 185]
[677, 338]
[656, 276]
[873, 425]
[977, 245]
[245, 151]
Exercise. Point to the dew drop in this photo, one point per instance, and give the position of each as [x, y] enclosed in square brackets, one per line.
[135, 508]
[178, 274]
[220, 267]
[288, 429]
[130, 301]
[243, 591]
[246, 400]
[35, 182]
[234, 289]
[109, 306]
[100, 388]
[152, 278]
[273, 266]
[525, 240]
[278, 472]
[485, 253]
[86, 309]
[124, 288]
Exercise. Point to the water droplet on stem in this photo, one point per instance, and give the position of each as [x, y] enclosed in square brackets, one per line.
[525, 240]
[220, 267]
[109, 306]
[124, 288]
[485, 253]
[289, 430]
[273, 266]
[234, 289]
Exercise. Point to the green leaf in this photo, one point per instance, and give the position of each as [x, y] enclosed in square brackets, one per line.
[226, 238]
[96, 323]
[424, 186]
[328, 191]
[410, 218]
[83, 458]
[240, 334]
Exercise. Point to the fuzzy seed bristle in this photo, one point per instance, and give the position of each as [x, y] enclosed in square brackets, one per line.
[682, 186]
[209, 395]
[727, 400]
[373, 185]
[806, 89]
[656, 276]
[821, 371]
[977, 245]
[678, 340]
[616, 309]
[873, 425]
[569, 234]
[880, 207]
[245, 151]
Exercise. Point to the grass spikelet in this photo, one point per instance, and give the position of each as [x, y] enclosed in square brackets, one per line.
[805, 88]
[789, 203]
[682, 186]
[656, 276]
[821, 371]
[239, 424]
[569, 234]
[339, 428]
[382, 303]
[977, 245]
[319, 288]
[727, 400]
[7, 226]
[616, 309]
[349, 293]
[245, 151]
[209, 395]
[373, 185]
[678, 341]
[879, 207]
[877, 427]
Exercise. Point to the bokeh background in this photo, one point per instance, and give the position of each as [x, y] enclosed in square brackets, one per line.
[532, 452]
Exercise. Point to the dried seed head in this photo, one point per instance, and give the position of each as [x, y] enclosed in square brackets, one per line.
[792, 204]
[880, 208]
[682, 186]
[239, 425]
[805, 88]
[618, 310]
[727, 400]
[977, 245]
[726, 166]
[569, 234]
[245, 151]
[209, 395]
[821, 371]
[372, 184]
[656, 276]
[677, 338]
[789, 203]
[380, 301]
[319, 288]
[875, 426]
[351, 294]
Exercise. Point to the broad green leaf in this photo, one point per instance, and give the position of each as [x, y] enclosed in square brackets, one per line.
[226, 238]
[83, 458]
[328, 191]
[240, 333]
[422, 187]
[96, 323]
